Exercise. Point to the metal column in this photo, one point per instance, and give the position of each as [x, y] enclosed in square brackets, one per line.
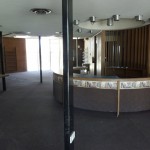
[40, 60]
[67, 26]
[2, 62]
[77, 63]
[95, 55]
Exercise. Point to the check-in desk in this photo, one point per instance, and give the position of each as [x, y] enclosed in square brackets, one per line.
[108, 94]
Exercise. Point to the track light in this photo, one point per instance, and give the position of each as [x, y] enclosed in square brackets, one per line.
[110, 21]
[116, 17]
[139, 17]
[92, 19]
[76, 22]
[79, 30]
[91, 31]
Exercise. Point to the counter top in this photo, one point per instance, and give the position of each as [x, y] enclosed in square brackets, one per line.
[107, 93]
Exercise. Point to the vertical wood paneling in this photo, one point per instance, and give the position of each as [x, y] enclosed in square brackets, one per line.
[139, 47]
[128, 49]
[148, 52]
[133, 48]
[142, 47]
[136, 48]
[109, 61]
[113, 48]
[146, 41]
[118, 44]
[11, 60]
[108, 50]
[125, 47]
[106, 54]
[111, 53]
[19, 45]
[102, 54]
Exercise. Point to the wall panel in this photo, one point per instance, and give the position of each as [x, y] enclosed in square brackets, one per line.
[127, 49]
[19, 57]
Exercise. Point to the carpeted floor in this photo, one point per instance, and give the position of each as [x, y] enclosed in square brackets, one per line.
[30, 119]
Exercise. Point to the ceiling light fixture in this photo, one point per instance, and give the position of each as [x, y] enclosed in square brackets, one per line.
[139, 17]
[110, 21]
[79, 30]
[116, 17]
[76, 22]
[41, 11]
[92, 19]
[91, 31]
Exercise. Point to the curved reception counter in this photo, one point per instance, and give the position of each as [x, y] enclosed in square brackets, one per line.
[108, 94]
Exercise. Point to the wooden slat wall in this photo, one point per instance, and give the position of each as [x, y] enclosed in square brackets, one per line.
[103, 46]
[136, 47]
[147, 60]
[20, 54]
[10, 60]
[124, 43]
[133, 48]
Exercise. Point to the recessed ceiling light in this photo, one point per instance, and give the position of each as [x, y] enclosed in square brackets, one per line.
[41, 11]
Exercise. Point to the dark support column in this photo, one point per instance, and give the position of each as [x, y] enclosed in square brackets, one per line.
[77, 64]
[68, 73]
[95, 55]
[2, 61]
[40, 60]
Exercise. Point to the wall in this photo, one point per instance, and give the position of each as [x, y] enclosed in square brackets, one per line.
[15, 54]
[128, 46]
[148, 54]
[124, 53]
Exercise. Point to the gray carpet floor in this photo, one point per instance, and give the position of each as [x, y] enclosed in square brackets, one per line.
[30, 119]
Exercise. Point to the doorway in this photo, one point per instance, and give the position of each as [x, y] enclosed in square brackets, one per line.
[32, 52]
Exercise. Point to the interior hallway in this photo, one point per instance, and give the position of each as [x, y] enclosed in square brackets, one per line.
[30, 119]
